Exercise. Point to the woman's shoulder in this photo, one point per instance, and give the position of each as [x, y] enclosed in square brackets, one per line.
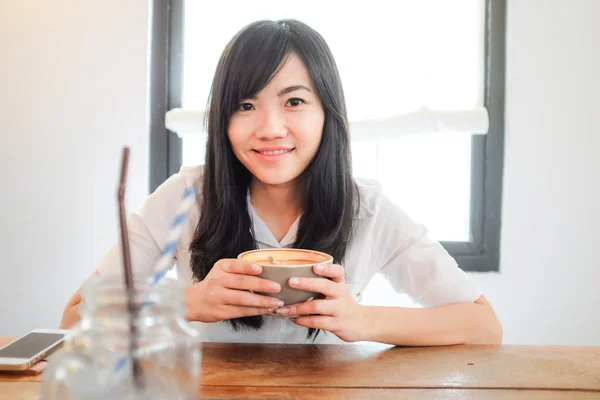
[191, 175]
[176, 184]
[166, 198]
[370, 194]
[375, 204]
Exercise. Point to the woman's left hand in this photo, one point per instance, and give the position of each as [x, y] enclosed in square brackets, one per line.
[337, 313]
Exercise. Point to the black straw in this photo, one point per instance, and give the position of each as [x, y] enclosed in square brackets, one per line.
[130, 290]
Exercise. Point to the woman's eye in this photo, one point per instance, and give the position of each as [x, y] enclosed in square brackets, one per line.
[295, 101]
[245, 107]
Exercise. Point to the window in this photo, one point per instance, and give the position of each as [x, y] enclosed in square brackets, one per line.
[424, 84]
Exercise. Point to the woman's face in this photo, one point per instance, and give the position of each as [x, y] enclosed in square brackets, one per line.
[276, 134]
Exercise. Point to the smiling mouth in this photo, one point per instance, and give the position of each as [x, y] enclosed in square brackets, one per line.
[274, 152]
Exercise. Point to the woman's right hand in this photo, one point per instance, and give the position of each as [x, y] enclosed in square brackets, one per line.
[225, 293]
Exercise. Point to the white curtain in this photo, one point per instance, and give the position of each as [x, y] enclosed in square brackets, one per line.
[407, 66]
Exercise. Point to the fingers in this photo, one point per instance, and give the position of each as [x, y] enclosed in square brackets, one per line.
[241, 311]
[317, 322]
[247, 299]
[238, 275]
[333, 271]
[253, 283]
[234, 266]
[325, 286]
[312, 307]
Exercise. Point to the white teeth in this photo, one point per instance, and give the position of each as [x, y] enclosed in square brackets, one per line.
[275, 152]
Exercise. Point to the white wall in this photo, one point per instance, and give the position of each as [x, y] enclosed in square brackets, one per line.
[73, 91]
[547, 291]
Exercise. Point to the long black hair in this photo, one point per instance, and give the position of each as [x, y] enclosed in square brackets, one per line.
[246, 66]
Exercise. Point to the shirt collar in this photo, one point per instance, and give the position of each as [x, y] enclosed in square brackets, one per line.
[264, 235]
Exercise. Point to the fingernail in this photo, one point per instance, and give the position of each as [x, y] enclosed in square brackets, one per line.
[320, 268]
[277, 302]
[282, 310]
[294, 281]
[275, 286]
[255, 267]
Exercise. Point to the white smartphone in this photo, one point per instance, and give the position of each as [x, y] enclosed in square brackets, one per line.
[31, 348]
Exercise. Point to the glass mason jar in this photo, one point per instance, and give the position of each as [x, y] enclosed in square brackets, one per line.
[95, 361]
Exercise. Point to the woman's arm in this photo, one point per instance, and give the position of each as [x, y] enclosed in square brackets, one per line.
[71, 313]
[453, 323]
[454, 308]
[148, 228]
[459, 323]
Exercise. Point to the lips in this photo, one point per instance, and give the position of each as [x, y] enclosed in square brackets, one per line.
[274, 152]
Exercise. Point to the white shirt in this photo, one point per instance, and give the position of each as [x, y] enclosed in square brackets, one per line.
[386, 240]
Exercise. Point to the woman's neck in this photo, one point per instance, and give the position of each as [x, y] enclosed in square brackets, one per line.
[278, 206]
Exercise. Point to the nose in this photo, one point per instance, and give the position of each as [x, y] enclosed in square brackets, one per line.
[272, 125]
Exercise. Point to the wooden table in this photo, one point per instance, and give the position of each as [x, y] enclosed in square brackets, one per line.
[382, 372]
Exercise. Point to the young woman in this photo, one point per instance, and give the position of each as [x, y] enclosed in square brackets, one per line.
[278, 174]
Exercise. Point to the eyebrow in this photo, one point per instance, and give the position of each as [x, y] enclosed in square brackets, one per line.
[293, 88]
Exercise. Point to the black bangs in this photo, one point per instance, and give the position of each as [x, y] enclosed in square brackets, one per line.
[257, 54]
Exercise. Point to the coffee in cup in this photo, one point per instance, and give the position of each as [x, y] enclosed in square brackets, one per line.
[279, 265]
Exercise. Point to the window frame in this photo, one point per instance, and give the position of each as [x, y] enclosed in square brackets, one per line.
[166, 87]
[481, 253]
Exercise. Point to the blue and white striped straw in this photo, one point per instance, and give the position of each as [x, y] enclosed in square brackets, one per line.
[165, 261]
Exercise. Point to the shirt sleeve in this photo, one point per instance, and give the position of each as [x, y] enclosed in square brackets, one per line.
[147, 229]
[417, 265]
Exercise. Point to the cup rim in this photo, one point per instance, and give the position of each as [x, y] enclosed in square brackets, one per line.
[328, 258]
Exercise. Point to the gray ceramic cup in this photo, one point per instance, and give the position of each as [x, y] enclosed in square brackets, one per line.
[279, 265]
